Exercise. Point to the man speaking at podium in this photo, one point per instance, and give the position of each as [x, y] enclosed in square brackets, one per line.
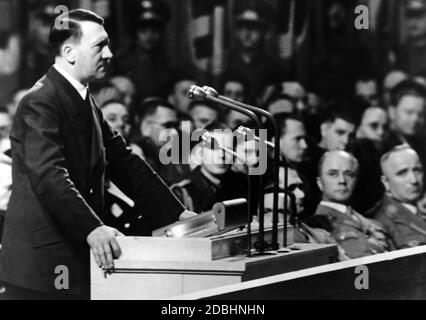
[61, 146]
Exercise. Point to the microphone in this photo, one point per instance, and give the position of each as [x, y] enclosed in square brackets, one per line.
[213, 93]
[198, 94]
[207, 138]
[244, 132]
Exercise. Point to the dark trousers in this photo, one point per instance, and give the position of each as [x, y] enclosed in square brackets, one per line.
[10, 292]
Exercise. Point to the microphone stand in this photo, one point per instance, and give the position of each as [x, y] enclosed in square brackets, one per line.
[197, 93]
[245, 131]
[269, 116]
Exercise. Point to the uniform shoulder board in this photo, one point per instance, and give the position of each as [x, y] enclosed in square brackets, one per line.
[181, 184]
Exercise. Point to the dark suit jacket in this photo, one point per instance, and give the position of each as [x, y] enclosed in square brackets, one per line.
[57, 197]
[404, 228]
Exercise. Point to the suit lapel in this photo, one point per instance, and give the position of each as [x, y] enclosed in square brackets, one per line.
[74, 107]
[97, 150]
[73, 103]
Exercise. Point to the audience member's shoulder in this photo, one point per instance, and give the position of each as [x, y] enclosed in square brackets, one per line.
[386, 207]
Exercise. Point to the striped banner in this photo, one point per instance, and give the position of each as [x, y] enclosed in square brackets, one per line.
[206, 29]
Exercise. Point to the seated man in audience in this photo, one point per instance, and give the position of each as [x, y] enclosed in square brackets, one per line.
[178, 93]
[356, 235]
[103, 91]
[294, 147]
[398, 211]
[280, 103]
[390, 81]
[366, 89]
[295, 192]
[126, 88]
[157, 123]
[237, 88]
[296, 200]
[117, 116]
[338, 129]
[407, 114]
[213, 180]
[297, 93]
[203, 113]
[368, 149]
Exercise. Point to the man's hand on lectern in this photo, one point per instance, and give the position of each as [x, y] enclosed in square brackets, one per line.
[187, 215]
[104, 246]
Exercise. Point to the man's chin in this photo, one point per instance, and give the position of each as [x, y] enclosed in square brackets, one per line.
[101, 74]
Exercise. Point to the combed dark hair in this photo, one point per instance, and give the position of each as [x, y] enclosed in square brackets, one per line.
[112, 101]
[101, 84]
[277, 96]
[149, 107]
[59, 35]
[282, 119]
[232, 77]
[207, 104]
[348, 110]
[407, 88]
[3, 109]
[175, 78]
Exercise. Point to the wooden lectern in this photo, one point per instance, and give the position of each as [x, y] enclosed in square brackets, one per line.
[163, 268]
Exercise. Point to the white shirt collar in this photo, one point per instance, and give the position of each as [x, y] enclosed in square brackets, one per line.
[411, 208]
[210, 177]
[81, 88]
[336, 206]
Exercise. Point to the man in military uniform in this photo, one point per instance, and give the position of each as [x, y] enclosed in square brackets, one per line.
[144, 62]
[249, 57]
[38, 57]
[212, 181]
[398, 210]
[412, 53]
[356, 235]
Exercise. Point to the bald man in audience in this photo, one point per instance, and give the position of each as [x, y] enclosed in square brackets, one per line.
[398, 211]
[356, 236]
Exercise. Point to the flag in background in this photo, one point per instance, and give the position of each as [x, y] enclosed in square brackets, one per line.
[297, 20]
[206, 32]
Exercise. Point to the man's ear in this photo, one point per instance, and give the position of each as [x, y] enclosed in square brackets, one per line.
[385, 183]
[171, 99]
[68, 52]
[144, 128]
[324, 128]
[320, 184]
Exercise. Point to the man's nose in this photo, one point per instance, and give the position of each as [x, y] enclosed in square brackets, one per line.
[413, 178]
[345, 142]
[107, 54]
[299, 194]
[380, 131]
[303, 144]
[341, 179]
